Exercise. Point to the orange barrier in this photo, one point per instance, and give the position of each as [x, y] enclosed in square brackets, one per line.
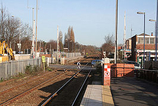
[116, 70]
[120, 70]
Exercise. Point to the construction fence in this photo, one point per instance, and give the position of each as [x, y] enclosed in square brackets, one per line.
[13, 68]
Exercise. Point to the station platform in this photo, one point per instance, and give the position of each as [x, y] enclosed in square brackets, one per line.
[97, 95]
[122, 92]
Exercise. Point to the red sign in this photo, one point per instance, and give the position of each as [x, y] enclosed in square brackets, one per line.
[107, 72]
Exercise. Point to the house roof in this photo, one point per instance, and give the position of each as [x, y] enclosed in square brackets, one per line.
[143, 34]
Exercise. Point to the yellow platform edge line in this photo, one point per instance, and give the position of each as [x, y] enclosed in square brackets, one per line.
[107, 96]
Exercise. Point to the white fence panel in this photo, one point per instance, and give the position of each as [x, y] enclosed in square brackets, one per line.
[12, 68]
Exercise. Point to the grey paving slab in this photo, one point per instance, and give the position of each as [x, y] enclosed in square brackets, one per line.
[92, 96]
[133, 92]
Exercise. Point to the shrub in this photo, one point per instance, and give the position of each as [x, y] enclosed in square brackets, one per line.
[1, 80]
[32, 69]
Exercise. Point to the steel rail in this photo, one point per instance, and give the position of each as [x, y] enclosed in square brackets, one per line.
[56, 93]
[80, 89]
[29, 90]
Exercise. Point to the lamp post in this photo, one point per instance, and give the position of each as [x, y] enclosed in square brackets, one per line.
[13, 30]
[36, 27]
[155, 39]
[144, 34]
[19, 44]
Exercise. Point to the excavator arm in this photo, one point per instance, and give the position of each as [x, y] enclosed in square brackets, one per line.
[5, 49]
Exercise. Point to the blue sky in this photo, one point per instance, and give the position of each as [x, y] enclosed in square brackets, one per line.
[91, 20]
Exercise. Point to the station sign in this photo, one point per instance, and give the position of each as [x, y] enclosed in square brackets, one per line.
[43, 59]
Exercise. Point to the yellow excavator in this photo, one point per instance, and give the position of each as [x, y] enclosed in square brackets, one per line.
[4, 49]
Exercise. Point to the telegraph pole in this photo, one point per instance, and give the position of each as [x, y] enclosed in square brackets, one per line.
[58, 44]
[116, 32]
[33, 31]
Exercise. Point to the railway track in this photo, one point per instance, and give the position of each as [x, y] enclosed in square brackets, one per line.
[34, 91]
[69, 92]
[11, 95]
[25, 82]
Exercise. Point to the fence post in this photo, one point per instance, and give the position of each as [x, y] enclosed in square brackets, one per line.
[18, 68]
[22, 67]
[6, 68]
[11, 69]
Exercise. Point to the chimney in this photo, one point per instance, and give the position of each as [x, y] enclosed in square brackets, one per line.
[151, 33]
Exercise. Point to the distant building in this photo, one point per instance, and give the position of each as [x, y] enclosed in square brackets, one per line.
[137, 46]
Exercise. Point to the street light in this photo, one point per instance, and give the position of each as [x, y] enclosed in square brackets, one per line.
[13, 30]
[144, 34]
[155, 39]
[19, 44]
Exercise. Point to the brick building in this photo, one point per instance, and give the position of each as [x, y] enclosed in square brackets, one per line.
[137, 46]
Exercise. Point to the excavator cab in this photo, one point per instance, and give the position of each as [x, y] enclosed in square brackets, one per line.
[5, 49]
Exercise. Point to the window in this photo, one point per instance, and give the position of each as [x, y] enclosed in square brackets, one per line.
[140, 40]
[151, 40]
[147, 40]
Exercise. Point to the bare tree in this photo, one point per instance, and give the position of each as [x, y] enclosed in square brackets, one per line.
[2, 19]
[69, 40]
[108, 46]
[12, 30]
[53, 44]
[72, 37]
[69, 32]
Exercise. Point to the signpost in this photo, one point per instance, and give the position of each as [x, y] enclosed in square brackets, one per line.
[43, 61]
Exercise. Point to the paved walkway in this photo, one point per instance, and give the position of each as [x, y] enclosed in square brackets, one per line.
[133, 92]
[97, 95]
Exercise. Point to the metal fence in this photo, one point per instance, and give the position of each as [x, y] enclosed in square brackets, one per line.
[68, 55]
[12, 68]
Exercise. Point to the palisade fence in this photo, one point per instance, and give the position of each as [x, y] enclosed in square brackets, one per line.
[12, 68]
[68, 55]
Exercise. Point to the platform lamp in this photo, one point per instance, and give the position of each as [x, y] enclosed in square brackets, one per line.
[155, 39]
[144, 34]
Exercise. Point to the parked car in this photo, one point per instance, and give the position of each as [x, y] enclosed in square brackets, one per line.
[136, 65]
[94, 63]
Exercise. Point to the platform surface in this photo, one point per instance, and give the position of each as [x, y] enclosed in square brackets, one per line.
[134, 92]
[97, 95]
